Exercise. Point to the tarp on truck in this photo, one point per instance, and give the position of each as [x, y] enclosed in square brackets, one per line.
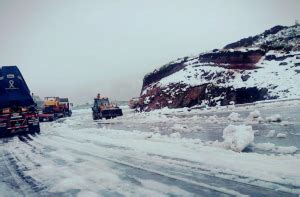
[13, 88]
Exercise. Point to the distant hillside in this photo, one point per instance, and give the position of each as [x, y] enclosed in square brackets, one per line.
[265, 66]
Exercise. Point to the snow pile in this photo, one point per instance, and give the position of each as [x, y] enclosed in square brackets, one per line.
[175, 135]
[238, 137]
[234, 117]
[281, 135]
[255, 116]
[277, 149]
[274, 118]
[213, 119]
[271, 133]
[179, 127]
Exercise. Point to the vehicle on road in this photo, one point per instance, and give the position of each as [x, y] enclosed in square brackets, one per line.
[18, 111]
[65, 105]
[102, 108]
[54, 108]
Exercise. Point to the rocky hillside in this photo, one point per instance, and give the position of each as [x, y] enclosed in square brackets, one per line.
[266, 66]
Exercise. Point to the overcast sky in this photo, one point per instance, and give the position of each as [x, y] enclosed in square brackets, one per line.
[76, 48]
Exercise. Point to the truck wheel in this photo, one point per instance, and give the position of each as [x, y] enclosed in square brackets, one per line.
[3, 132]
[94, 116]
[34, 129]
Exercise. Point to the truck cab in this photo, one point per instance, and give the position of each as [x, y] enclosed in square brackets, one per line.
[65, 105]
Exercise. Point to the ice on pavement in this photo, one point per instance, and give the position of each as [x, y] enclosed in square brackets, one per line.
[238, 137]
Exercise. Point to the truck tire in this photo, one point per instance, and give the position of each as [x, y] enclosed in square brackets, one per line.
[95, 117]
[34, 129]
[3, 132]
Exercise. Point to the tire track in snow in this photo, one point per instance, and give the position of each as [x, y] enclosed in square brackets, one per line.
[261, 186]
[131, 159]
[86, 152]
[21, 184]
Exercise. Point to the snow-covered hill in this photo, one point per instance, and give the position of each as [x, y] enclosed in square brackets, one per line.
[266, 66]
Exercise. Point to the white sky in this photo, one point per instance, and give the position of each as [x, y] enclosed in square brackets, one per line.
[77, 48]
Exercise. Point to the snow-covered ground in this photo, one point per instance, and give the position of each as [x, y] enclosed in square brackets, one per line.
[234, 150]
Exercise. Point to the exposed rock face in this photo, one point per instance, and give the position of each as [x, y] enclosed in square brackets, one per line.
[252, 69]
[133, 103]
[164, 71]
[234, 59]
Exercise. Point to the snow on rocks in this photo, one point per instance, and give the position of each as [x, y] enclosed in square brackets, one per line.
[238, 137]
[234, 117]
[274, 118]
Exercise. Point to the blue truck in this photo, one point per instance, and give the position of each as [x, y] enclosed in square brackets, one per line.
[18, 111]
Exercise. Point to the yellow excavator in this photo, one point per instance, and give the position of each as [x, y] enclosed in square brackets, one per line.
[104, 109]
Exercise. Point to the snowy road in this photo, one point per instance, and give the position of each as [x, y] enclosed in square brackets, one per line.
[162, 153]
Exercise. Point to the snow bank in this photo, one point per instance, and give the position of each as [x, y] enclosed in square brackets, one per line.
[274, 118]
[238, 137]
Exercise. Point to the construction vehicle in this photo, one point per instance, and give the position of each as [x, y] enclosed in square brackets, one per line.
[102, 108]
[54, 108]
[65, 105]
[51, 109]
[18, 111]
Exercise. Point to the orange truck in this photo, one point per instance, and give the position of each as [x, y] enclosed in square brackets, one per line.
[54, 108]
